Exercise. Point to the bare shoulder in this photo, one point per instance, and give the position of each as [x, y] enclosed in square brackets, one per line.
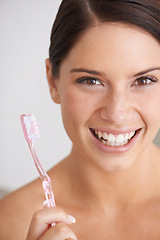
[16, 210]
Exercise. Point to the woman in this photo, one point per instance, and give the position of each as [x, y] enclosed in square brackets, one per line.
[104, 70]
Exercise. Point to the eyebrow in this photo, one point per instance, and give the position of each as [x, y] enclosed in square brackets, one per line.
[86, 70]
[146, 71]
[102, 74]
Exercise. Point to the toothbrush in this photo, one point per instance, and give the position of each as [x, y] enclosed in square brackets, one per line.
[31, 133]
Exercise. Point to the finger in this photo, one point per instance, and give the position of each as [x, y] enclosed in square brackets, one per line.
[43, 219]
[59, 232]
[45, 205]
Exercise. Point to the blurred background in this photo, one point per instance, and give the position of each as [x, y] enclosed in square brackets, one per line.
[25, 28]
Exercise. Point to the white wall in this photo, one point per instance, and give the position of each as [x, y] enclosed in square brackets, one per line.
[25, 27]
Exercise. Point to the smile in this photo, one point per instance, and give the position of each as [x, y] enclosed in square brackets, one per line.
[110, 139]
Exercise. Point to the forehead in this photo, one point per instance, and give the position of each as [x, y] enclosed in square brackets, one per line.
[111, 44]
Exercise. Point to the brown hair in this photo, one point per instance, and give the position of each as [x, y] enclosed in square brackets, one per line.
[77, 16]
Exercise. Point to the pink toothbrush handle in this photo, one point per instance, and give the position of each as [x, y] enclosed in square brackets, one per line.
[48, 193]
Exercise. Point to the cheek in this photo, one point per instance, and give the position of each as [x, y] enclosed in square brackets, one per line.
[77, 108]
[150, 110]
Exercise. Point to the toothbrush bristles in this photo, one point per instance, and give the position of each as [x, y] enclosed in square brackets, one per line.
[30, 127]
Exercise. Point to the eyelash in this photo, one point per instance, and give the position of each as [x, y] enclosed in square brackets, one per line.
[83, 80]
[148, 78]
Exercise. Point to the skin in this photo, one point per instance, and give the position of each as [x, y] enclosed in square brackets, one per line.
[111, 195]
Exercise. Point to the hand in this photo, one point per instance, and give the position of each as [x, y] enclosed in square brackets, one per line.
[40, 227]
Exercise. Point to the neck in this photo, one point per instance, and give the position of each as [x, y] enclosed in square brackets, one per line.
[98, 187]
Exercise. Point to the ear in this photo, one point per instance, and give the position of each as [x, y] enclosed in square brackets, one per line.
[52, 82]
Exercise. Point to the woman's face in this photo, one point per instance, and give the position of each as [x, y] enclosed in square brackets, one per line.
[109, 91]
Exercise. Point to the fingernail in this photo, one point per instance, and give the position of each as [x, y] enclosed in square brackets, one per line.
[72, 219]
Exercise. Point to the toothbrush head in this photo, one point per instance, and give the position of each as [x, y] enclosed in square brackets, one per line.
[30, 127]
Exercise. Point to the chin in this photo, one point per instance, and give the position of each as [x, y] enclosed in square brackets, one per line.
[116, 166]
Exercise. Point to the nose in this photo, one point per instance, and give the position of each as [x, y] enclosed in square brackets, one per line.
[116, 108]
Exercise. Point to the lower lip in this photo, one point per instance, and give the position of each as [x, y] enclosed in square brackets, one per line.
[116, 149]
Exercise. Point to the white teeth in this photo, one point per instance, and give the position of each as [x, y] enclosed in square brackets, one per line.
[118, 144]
[99, 134]
[120, 139]
[126, 137]
[111, 138]
[113, 144]
[114, 140]
[131, 135]
[105, 135]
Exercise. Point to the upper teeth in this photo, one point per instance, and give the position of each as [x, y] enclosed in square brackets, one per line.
[115, 138]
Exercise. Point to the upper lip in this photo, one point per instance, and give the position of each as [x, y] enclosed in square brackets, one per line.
[116, 131]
